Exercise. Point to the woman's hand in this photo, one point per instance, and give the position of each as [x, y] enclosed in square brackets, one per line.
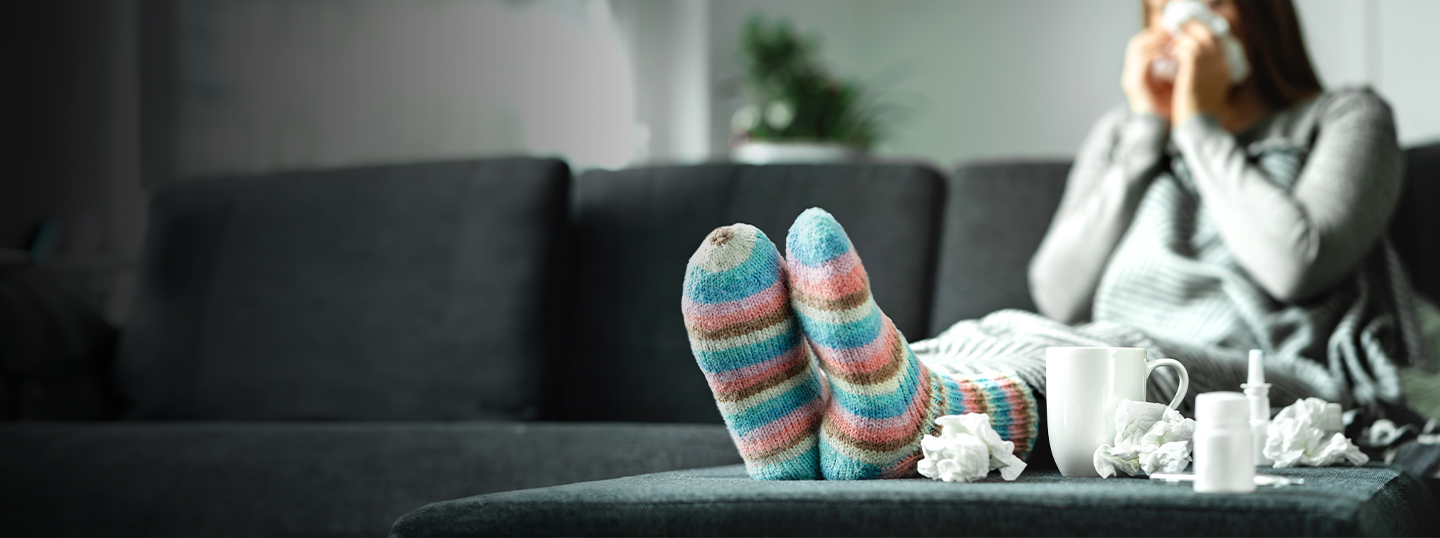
[1202, 80]
[1146, 95]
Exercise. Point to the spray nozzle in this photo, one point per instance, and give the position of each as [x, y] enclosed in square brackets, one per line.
[1257, 368]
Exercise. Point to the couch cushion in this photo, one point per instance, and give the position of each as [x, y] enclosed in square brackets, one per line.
[628, 357]
[1373, 500]
[1413, 227]
[306, 479]
[406, 292]
[995, 216]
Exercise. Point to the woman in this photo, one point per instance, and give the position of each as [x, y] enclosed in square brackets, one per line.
[1200, 220]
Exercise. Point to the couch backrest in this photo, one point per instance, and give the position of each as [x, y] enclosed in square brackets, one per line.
[410, 292]
[468, 290]
[1415, 228]
[996, 213]
[627, 356]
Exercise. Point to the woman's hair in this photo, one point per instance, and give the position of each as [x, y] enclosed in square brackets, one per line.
[1275, 47]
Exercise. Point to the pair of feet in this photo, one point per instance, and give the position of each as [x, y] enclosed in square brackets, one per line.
[752, 315]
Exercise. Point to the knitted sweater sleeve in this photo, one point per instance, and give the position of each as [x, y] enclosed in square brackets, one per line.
[1296, 243]
[1115, 164]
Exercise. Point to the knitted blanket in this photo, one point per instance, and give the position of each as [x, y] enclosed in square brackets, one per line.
[1174, 288]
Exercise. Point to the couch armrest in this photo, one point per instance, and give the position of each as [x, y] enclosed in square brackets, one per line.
[56, 352]
[180, 478]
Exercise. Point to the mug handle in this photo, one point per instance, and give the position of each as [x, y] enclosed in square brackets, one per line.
[1180, 369]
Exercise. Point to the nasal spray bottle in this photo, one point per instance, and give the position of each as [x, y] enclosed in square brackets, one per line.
[1258, 392]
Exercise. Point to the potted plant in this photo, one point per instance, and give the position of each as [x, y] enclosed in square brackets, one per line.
[797, 111]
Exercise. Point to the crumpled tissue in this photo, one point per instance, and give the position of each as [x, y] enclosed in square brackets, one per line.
[1296, 438]
[966, 450]
[1149, 437]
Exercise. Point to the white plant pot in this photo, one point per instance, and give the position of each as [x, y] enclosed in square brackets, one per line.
[760, 152]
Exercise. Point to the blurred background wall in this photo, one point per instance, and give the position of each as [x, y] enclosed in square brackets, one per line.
[117, 96]
[1027, 77]
[280, 84]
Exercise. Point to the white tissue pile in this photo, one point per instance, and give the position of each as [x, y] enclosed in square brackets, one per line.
[1149, 437]
[1295, 438]
[966, 450]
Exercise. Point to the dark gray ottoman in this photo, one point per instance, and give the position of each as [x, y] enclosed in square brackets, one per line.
[1373, 500]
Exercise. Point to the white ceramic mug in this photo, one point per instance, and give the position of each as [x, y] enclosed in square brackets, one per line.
[1083, 386]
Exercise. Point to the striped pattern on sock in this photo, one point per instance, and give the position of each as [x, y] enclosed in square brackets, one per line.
[745, 338]
[882, 399]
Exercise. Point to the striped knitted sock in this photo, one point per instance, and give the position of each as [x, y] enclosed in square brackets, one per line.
[744, 336]
[882, 400]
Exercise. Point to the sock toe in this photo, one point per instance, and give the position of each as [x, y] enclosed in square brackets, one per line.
[816, 237]
[726, 247]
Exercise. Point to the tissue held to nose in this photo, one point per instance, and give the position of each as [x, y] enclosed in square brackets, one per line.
[1179, 12]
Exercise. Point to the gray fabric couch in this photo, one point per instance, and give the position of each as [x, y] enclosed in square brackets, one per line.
[320, 353]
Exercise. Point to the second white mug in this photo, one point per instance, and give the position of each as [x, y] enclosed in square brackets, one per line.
[1083, 386]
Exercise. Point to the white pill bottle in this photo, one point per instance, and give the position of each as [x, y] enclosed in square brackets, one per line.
[1224, 449]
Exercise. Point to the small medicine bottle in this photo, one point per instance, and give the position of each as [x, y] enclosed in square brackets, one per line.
[1224, 453]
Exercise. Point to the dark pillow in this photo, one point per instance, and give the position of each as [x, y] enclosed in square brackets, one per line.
[408, 292]
[1413, 226]
[995, 216]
